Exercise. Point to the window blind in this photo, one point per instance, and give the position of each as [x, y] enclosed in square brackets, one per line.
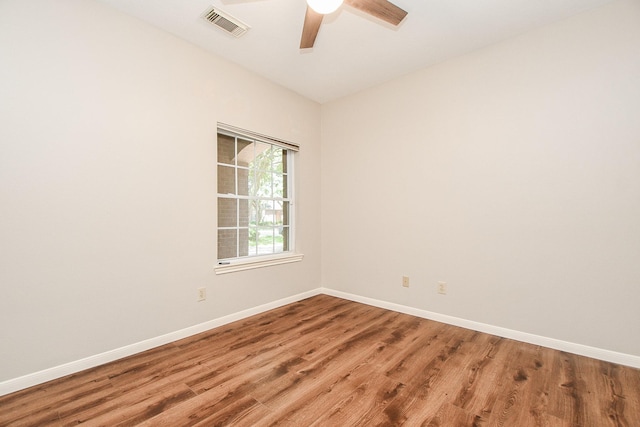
[258, 136]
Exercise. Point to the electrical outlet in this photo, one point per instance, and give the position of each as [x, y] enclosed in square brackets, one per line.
[405, 281]
[202, 294]
[442, 288]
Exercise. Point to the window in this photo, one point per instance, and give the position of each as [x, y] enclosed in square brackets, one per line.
[255, 195]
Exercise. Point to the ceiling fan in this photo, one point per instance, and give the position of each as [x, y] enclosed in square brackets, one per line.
[316, 9]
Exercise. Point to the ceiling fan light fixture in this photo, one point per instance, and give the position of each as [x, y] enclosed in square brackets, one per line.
[324, 6]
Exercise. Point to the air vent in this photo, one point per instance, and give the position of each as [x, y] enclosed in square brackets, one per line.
[225, 21]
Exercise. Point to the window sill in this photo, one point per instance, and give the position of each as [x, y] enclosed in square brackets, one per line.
[250, 264]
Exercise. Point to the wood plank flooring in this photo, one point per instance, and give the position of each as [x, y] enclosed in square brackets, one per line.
[326, 361]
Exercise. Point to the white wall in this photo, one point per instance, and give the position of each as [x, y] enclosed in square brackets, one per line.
[107, 183]
[512, 174]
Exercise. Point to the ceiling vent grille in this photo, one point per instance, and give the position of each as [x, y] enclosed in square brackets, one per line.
[225, 21]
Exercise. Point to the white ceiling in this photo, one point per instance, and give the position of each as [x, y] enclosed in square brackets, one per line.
[353, 51]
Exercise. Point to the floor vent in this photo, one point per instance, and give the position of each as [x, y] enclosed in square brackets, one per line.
[225, 21]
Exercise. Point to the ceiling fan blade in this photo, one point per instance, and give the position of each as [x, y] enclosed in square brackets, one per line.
[312, 21]
[382, 9]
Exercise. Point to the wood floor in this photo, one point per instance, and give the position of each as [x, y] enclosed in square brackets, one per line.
[325, 361]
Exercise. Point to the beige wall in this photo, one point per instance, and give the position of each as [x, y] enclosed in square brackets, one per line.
[512, 174]
[107, 183]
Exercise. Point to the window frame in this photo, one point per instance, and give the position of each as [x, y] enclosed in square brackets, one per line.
[244, 262]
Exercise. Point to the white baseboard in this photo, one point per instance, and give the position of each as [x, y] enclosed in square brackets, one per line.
[15, 384]
[583, 350]
[43, 376]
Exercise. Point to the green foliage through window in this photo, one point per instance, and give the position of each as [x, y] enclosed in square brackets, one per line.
[254, 204]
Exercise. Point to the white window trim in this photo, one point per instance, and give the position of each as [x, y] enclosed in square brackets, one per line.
[257, 262]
